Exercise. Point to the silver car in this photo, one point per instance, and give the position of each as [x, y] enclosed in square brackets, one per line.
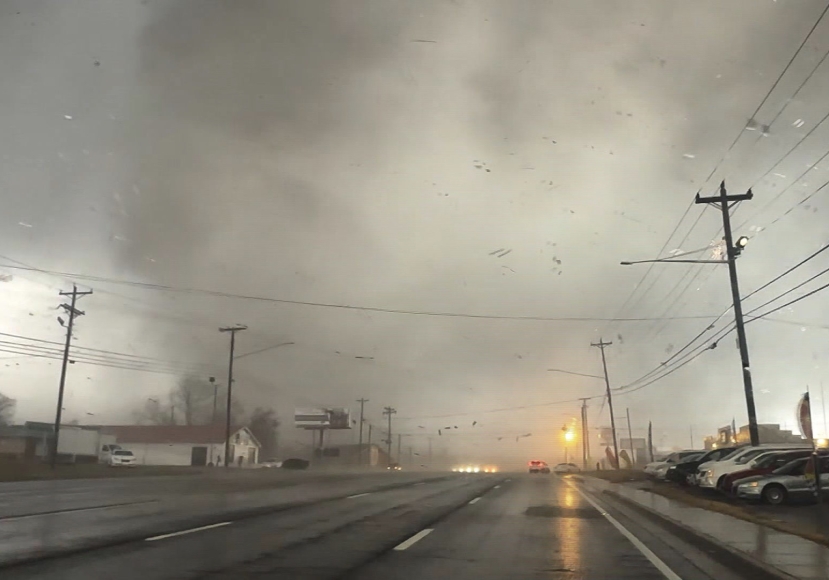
[785, 483]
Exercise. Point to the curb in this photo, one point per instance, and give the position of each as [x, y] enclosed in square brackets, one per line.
[725, 555]
[140, 535]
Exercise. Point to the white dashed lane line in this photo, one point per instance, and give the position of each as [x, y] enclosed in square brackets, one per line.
[476, 500]
[185, 532]
[497, 487]
[358, 495]
[414, 539]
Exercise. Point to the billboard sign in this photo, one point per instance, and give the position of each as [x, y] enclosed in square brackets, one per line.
[312, 418]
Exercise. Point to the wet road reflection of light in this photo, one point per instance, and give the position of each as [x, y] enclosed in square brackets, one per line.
[569, 531]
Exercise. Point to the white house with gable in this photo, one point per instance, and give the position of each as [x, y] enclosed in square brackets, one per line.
[195, 445]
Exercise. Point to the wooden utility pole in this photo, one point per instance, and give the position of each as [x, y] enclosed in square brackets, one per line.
[362, 402]
[601, 346]
[389, 411]
[232, 330]
[585, 433]
[73, 312]
[725, 203]
[630, 440]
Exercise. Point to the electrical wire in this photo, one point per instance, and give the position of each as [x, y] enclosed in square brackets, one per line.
[219, 294]
[768, 94]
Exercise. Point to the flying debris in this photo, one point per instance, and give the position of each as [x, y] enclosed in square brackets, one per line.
[474, 423]
[421, 427]
[439, 432]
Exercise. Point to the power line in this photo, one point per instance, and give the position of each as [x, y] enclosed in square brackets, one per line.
[219, 294]
[787, 272]
[768, 94]
[648, 271]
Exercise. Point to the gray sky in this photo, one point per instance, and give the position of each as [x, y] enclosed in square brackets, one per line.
[377, 153]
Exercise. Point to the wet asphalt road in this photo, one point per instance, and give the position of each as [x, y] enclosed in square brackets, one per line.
[463, 526]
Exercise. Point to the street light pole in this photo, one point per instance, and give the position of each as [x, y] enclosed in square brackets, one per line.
[724, 200]
[232, 330]
[389, 411]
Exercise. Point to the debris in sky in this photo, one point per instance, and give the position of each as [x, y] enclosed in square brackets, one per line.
[422, 40]
[448, 427]
[24, 224]
[97, 63]
[620, 339]
[421, 427]
[439, 432]
[68, 117]
[456, 426]
[501, 255]
[689, 156]
[496, 252]
[780, 175]
[6, 277]
[799, 123]
[474, 423]
[499, 438]
[669, 349]
[508, 268]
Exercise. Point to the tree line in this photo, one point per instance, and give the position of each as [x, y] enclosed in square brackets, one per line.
[196, 401]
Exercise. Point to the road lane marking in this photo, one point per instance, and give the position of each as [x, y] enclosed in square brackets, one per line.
[653, 558]
[476, 500]
[421, 483]
[185, 532]
[414, 539]
[497, 487]
[358, 495]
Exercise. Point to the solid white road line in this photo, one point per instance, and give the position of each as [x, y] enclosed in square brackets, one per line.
[414, 539]
[497, 487]
[184, 532]
[476, 500]
[653, 558]
[358, 495]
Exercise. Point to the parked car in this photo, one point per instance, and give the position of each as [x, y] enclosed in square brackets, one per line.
[763, 464]
[661, 472]
[566, 468]
[269, 464]
[784, 483]
[122, 458]
[684, 472]
[672, 459]
[712, 474]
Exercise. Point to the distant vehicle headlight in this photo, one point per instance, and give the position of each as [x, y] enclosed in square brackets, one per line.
[476, 470]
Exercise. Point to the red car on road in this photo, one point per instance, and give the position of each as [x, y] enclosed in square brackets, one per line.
[763, 465]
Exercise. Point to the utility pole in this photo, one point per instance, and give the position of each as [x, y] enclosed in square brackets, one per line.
[585, 434]
[389, 411]
[73, 312]
[172, 414]
[369, 444]
[215, 398]
[725, 202]
[692, 436]
[399, 456]
[650, 440]
[362, 402]
[232, 330]
[601, 346]
[630, 440]
[430, 453]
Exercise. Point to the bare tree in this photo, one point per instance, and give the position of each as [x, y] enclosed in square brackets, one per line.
[7, 406]
[190, 402]
[264, 425]
[154, 412]
[192, 398]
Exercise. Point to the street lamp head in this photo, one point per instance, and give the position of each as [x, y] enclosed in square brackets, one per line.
[626, 263]
[569, 436]
[742, 242]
